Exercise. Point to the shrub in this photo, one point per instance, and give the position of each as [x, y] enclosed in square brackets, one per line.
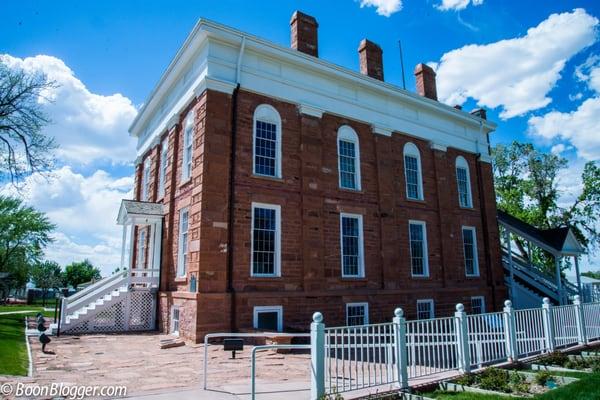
[494, 379]
[518, 383]
[466, 380]
[554, 358]
[543, 377]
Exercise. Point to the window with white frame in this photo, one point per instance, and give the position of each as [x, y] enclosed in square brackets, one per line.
[351, 238]
[419, 261]
[463, 182]
[266, 239]
[188, 147]
[146, 180]
[357, 314]
[425, 309]
[183, 241]
[348, 158]
[412, 172]
[470, 251]
[267, 141]
[478, 305]
[164, 153]
[175, 320]
[141, 255]
[268, 318]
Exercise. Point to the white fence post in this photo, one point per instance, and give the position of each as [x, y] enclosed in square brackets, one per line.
[400, 348]
[511, 331]
[581, 334]
[317, 357]
[548, 322]
[462, 339]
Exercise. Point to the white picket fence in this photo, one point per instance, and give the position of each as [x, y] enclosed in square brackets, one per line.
[357, 357]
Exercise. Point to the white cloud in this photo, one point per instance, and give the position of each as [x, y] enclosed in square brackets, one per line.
[457, 5]
[515, 74]
[383, 7]
[86, 125]
[84, 210]
[589, 72]
[579, 127]
[558, 149]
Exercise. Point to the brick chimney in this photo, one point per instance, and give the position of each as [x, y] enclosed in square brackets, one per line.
[371, 59]
[304, 33]
[426, 81]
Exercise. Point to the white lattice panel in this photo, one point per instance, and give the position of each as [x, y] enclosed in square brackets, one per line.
[131, 311]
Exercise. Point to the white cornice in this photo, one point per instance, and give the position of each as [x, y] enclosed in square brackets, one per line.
[437, 146]
[209, 60]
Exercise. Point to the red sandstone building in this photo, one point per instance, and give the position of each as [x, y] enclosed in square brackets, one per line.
[289, 185]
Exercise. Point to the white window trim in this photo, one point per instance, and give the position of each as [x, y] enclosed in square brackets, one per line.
[181, 267]
[431, 307]
[189, 123]
[425, 249]
[462, 163]
[267, 113]
[277, 208]
[361, 251]
[146, 180]
[259, 309]
[412, 150]
[164, 154]
[346, 133]
[475, 253]
[482, 298]
[364, 305]
[172, 327]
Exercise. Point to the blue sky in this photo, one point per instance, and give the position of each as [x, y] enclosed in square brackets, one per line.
[525, 61]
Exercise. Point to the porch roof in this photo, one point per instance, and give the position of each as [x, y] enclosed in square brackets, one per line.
[144, 211]
[560, 241]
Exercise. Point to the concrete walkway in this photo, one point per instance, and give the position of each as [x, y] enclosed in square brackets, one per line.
[265, 391]
[17, 312]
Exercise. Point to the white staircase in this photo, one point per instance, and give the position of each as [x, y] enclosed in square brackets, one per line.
[110, 305]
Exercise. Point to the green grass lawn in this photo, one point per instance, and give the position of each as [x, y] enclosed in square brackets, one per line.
[13, 350]
[20, 307]
[587, 388]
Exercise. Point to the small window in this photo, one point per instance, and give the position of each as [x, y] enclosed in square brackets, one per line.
[425, 309]
[188, 147]
[267, 142]
[470, 251]
[266, 239]
[141, 255]
[268, 318]
[183, 242]
[146, 180]
[412, 172]
[463, 183]
[348, 158]
[164, 153]
[175, 320]
[357, 314]
[418, 248]
[351, 237]
[478, 305]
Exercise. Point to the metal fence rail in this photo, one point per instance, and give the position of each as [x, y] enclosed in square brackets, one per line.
[529, 327]
[591, 318]
[357, 357]
[565, 325]
[431, 346]
[487, 338]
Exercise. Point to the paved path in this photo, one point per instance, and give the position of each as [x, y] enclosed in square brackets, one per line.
[17, 312]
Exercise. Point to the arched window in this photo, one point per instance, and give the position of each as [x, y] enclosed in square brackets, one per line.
[188, 147]
[412, 172]
[267, 141]
[463, 182]
[348, 158]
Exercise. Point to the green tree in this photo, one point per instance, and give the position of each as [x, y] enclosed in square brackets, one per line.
[24, 232]
[526, 183]
[46, 275]
[80, 272]
[592, 274]
[24, 149]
